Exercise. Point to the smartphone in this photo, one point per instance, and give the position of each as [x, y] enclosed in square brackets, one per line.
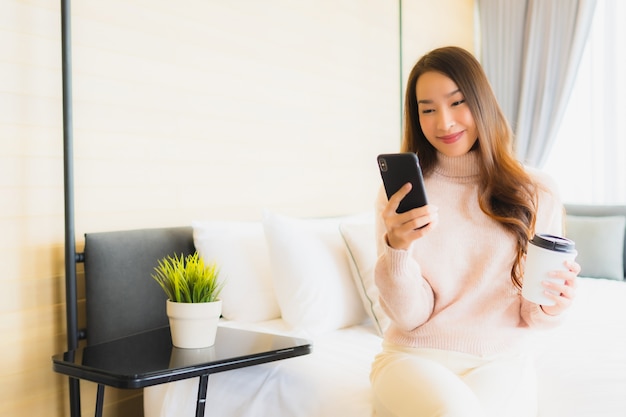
[396, 169]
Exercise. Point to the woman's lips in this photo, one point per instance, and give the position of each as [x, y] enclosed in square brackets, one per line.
[450, 139]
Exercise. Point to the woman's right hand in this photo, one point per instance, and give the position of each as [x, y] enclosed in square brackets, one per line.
[404, 228]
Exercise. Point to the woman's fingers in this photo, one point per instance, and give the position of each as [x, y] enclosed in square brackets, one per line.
[564, 293]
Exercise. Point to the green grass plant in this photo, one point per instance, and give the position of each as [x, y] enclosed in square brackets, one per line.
[188, 279]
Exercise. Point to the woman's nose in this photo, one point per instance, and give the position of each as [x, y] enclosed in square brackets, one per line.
[445, 121]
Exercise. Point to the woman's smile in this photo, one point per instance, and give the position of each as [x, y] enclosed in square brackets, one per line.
[451, 138]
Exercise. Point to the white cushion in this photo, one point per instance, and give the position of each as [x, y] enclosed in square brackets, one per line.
[311, 274]
[360, 240]
[240, 250]
[600, 244]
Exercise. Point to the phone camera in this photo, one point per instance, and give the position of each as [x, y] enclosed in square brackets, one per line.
[383, 164]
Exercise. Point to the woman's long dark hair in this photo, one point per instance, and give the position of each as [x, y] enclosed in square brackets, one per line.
[506, 193]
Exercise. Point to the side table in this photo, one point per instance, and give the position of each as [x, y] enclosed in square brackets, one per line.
[149, 358]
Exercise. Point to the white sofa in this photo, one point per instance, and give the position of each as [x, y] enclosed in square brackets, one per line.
[314, 278]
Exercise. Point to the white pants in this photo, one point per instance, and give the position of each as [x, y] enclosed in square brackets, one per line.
[415, 382]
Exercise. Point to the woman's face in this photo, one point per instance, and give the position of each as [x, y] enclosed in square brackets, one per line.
[444, 115]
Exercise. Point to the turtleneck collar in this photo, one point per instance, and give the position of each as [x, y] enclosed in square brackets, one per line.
[460, 167]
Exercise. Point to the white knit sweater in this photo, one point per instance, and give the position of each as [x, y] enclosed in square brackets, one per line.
[452, 289]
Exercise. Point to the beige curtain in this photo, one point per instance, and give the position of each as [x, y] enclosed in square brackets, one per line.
[530, 50]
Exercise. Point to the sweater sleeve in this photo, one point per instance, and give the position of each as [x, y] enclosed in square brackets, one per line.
[549, 220]
[406, 297]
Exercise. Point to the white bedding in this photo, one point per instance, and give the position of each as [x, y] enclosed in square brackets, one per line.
[581, 369]
[582, 364]
[331, 381]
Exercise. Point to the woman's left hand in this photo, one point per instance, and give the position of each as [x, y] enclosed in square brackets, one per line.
[563, 293]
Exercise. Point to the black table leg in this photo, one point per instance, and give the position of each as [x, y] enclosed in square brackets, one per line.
[99, 400]
[75, 397]
[202, 389]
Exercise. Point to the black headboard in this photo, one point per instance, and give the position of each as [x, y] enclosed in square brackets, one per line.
[122, 298]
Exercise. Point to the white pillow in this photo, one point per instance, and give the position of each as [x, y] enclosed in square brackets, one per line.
[600, 244]
[311, 273]
[360, 240]
[240, 250]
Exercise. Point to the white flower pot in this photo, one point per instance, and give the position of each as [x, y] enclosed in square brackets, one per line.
[193, 325]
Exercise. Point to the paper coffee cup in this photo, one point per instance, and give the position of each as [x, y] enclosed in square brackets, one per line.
[546, 253]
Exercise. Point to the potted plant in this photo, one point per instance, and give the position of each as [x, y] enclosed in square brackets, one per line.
[193, 305]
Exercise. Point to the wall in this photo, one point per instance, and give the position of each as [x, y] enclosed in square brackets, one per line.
[185, 110]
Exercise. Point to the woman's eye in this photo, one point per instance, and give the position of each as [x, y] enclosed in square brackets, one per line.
[426, 111]
[458, 103]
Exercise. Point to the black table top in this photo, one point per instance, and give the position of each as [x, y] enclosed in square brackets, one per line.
[149, 358]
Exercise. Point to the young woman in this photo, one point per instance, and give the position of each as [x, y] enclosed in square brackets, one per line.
[450, 273]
